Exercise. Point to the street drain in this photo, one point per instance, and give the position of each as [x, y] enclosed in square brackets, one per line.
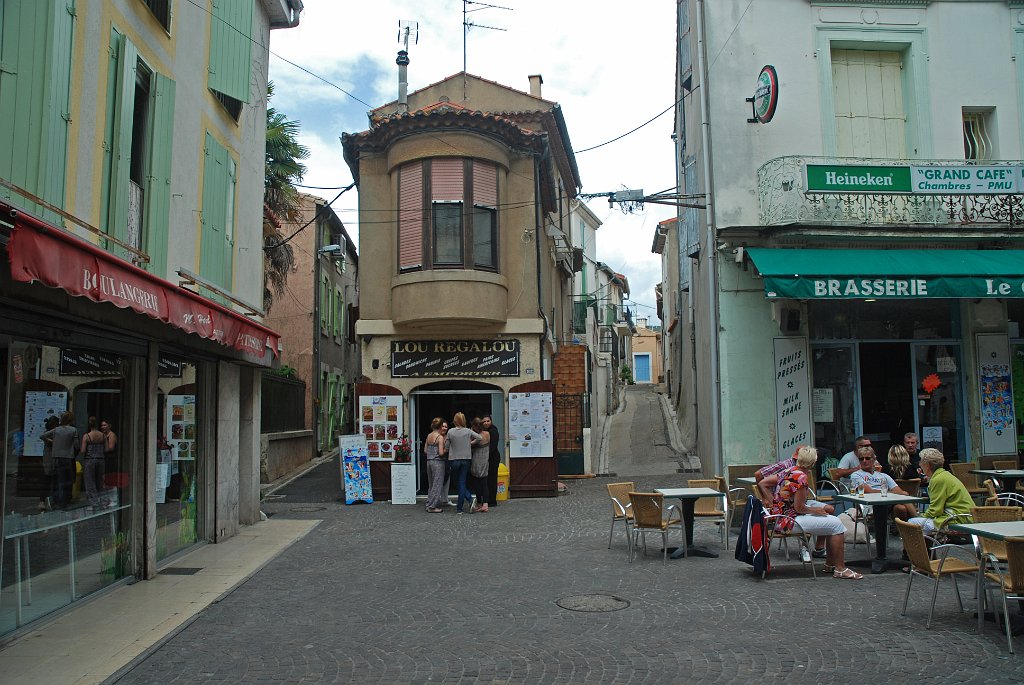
[592, 603]
[179, 571]
[306, 509]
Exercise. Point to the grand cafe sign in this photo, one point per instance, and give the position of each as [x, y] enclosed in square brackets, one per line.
[433, 358]
[916, 180]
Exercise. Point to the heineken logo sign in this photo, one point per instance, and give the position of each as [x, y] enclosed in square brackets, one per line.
[766, 96]
[913, 179]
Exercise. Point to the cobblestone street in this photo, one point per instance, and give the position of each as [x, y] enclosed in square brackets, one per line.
[390, 594]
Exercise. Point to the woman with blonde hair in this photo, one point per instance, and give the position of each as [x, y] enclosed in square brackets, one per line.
[458, 445]
[791, 499]
[899, 463]
[437, 466]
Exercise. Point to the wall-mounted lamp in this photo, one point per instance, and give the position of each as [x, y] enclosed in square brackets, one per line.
[333, 249]
[367, 338]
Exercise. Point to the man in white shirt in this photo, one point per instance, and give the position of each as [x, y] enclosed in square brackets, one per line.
[849, 464]
[872, 481]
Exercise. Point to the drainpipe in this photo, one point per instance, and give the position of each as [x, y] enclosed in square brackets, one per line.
[539, 224]
[711, 243]
[315, 376]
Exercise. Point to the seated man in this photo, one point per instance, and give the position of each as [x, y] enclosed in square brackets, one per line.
[872, 481]
[775, 469]
[849, 464]
[947, 496]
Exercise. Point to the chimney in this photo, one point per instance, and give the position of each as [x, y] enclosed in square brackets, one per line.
[535, 81]
[403, 80]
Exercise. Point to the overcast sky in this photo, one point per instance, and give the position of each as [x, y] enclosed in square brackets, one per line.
[609, 65]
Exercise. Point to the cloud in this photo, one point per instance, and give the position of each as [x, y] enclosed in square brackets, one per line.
[609, 68]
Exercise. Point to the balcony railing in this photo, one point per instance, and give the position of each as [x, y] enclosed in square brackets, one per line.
[784, 198]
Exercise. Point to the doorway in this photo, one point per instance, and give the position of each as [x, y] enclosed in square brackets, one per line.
[887, 394]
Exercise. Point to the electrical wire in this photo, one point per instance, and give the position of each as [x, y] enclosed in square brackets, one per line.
[609, 142]
[316, 215]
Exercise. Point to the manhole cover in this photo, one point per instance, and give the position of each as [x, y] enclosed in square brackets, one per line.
[307, 509]
[592, 603]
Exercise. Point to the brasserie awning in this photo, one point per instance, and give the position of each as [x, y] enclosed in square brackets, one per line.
[888, 274]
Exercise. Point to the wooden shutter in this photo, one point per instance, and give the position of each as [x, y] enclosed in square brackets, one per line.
[121, 153]
[215, 260]
[446, 180]
[485, 184]
[158, 182]
[231, 47]
[410, 216]
[870, 119]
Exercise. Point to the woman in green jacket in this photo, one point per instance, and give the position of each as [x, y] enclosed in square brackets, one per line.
[947, 496]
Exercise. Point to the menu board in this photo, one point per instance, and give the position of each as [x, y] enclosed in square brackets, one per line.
[380, 421]
[180, 426]
[530, 425]
[39, 406]
[355, 469]
[403, 484]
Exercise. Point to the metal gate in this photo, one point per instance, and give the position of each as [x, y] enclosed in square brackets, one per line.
[571, 412]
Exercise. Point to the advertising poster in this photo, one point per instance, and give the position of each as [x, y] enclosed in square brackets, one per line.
[39, 406]
[792, 402]
[180, 427]
[530, 425]
[355, 469]
[998, 428]
[380, 421]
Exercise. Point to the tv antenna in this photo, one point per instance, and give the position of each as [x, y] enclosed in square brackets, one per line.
[467, 24]
[405, 30]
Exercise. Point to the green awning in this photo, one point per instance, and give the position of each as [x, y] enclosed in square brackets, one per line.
[889, 274]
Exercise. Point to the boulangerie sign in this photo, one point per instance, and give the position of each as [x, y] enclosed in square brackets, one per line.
[63, 261]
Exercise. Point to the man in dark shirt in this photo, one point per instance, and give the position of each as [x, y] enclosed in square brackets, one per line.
[493, 459]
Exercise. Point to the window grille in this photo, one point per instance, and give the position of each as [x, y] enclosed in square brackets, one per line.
[977, 142]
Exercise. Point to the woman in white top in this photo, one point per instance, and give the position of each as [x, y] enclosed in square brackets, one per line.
[458, 444]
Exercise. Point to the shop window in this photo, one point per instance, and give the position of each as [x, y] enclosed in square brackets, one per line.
[920, 319]
[448, 215]
[179, 460]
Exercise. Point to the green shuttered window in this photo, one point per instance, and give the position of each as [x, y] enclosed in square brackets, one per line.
[218, 247]
[231, 48]
[35, 76]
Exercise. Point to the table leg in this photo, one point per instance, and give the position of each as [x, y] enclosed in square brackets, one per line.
[881, 538]
[17, 582]
[688, 549]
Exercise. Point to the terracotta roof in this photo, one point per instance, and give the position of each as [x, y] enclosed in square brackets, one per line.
[472, 76]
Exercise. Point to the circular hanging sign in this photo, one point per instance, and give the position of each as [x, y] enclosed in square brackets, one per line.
[766, 94]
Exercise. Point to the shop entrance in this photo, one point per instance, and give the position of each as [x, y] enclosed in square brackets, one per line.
[887, 394]
[444, 399]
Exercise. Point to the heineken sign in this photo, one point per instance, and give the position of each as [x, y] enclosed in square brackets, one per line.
[437, 358]
[912, 179]
[766, 95]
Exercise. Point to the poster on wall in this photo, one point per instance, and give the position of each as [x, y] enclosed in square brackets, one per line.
[931, 436]
[180, 427]
[998, 427]
[39, 406]
[792, 401]
[530, 425]
[355, 469]
[380, 421]
[1017, 371]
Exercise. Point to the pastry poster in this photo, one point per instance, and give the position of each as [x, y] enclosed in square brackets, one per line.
[380, 422]
[180, 426]
[39, 406]
[355, 469]
[530, 425]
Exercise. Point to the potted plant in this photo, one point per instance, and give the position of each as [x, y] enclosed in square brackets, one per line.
[403, 450]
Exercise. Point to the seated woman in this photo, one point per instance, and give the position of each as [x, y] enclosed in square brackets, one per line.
[791, 498]
[947, 496]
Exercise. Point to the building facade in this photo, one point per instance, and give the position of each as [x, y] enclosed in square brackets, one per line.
[466, 277]
[131, 195]
[858, 266]
[316, 317]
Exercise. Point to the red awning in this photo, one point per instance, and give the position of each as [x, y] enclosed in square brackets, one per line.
[41, 252]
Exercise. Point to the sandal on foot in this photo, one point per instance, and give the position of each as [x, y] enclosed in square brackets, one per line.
[819, 553]
[847, 574]
[826, 569]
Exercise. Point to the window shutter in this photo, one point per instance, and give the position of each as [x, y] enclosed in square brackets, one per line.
[215, 261]
[446, 180]
[410, 216]
[231, 47]
[485, 184]
[158, 190]
[124, 112]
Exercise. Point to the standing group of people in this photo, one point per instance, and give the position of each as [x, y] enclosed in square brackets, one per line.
[465, 456]
[62, 446]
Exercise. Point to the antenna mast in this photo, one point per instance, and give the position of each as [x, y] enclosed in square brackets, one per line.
[467, 24]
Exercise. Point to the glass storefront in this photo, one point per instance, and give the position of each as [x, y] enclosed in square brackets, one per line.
[883, 369]
[66, 519]
[179, 457]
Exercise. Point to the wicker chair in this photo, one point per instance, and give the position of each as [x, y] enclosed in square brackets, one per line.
[962, 471]
[651, 516]
[990, 487]
[1005, 464]
[990, 546]
[1010, 580]
[915, 543]
[710, 508]
[621, 509]
[911, 486]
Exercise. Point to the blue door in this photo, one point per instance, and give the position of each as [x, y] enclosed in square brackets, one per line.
[642, 368]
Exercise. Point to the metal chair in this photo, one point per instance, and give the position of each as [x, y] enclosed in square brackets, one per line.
[1009, 581]
[621, 508]
[1010, 499]
[736, 497]
[708, 508]
[991, 546]
[785, 527]
[651, 516]
[915, 543]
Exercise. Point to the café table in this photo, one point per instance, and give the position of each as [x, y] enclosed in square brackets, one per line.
[1008, 478]
[999, 530]
[688, 498]
[881, 503]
